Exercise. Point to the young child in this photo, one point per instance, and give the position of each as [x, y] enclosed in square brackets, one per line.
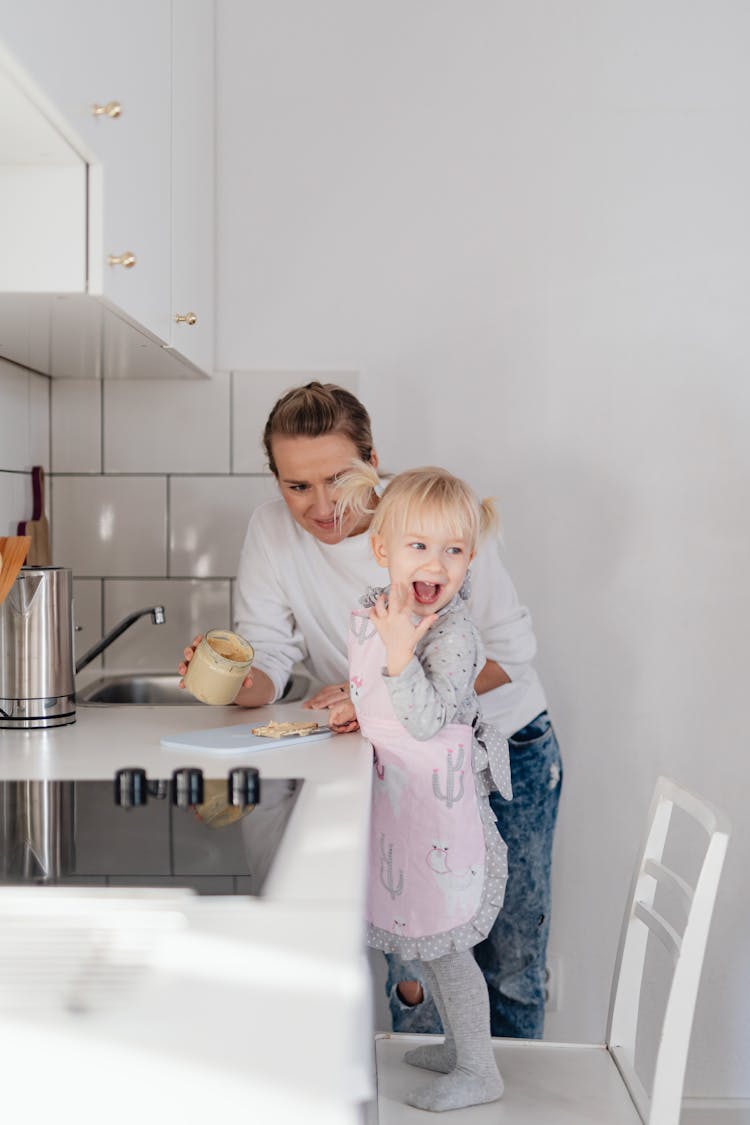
[437, 863]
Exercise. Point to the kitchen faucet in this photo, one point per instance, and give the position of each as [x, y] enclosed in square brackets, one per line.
[157, 616]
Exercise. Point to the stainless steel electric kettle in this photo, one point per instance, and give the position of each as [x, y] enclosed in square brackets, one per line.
[37, 677]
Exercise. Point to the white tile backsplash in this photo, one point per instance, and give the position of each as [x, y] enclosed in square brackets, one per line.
[151, 490]
[110, 526]
[87, 616]
[208, 518]
[24, 418]
[16, 501]
[191, 607]
[24, 440]
[253, 395]
[76, 426]
[39, 420]
[28, 318]
[14, 417]
[166, 426]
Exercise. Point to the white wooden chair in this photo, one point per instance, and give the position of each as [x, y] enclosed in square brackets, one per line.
[577, 1084]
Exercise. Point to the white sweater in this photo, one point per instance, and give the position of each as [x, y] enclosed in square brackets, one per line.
[294, 596]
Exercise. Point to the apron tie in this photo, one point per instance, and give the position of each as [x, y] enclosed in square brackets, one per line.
[492, 760]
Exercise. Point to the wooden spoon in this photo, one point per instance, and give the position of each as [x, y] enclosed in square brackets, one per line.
[13, 551]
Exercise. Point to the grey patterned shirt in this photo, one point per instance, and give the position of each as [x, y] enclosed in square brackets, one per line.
[437, 685]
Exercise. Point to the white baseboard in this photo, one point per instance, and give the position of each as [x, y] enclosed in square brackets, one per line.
[715, 1111]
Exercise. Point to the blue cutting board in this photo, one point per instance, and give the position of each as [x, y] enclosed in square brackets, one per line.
[237, 740]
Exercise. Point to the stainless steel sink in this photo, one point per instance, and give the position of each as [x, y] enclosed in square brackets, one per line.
[161, 689]
[144, 688]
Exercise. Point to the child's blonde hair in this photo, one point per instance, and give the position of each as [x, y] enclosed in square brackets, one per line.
[411, 496]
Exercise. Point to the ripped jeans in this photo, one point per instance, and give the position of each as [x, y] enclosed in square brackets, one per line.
[513, 955]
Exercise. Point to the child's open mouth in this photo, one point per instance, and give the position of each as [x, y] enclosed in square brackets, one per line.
[426, 593]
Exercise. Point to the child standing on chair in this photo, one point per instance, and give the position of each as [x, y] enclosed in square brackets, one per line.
[437, 864]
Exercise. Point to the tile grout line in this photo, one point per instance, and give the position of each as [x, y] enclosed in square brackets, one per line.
[155, 473]
[231, 427]
[168, 508]
[153, 578]
[102, 619]
[101, 426]
[48, 468]
[103, 580]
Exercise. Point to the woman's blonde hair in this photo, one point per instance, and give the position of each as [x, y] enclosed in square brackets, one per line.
[412, 496]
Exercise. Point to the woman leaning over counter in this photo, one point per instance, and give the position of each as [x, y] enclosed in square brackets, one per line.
[300, 575]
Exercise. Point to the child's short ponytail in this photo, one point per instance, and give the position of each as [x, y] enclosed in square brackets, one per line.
[488, 517]
[408, 496]
[354, 491]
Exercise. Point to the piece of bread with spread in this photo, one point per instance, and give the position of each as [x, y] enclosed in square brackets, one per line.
[282, 730]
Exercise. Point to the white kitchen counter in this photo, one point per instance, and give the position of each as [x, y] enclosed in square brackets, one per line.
[251, 1005]
[322, 855]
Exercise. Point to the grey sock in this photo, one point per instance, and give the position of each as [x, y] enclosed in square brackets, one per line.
[475, 1078]
[435, 1056]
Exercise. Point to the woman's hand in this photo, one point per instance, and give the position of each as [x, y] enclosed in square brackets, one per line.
[328, 696]
[342, 718]
[188, 655]
[393, 621]
[245, 698]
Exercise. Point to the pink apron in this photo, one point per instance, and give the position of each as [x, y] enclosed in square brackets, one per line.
[437, 864]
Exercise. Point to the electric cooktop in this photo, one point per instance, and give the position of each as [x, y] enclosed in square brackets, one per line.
[215, 835]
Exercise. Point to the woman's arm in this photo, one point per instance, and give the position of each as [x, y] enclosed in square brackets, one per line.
[257, 690]
[490, 677]
[504, 624]
[262, 611]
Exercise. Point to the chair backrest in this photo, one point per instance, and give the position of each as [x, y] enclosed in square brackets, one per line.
[685, 942]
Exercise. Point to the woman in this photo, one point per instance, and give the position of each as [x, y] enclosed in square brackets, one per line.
[300, 573]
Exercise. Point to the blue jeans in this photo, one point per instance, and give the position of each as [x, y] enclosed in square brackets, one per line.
[513, 955]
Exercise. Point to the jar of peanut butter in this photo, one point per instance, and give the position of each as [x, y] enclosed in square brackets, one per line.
[219, 665]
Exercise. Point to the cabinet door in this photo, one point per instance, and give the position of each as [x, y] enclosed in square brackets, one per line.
[87, 53]
[193, 182]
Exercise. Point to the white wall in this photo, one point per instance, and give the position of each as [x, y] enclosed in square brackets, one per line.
[525, 224]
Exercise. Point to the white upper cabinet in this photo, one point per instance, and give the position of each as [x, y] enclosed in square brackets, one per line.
[131, 89]
[193, 107]
[42, 200]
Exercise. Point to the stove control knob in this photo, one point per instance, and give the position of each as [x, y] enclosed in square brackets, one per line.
[131, 789]
[243, 787]
[187, 787]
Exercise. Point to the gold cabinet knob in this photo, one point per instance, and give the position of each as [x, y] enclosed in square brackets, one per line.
[127, 259]
[188, 318]
[111, 109]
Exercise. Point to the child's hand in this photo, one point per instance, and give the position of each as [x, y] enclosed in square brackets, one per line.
[342, 717]
[393, 622]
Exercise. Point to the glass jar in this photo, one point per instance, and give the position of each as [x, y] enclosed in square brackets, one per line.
[219, 665]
